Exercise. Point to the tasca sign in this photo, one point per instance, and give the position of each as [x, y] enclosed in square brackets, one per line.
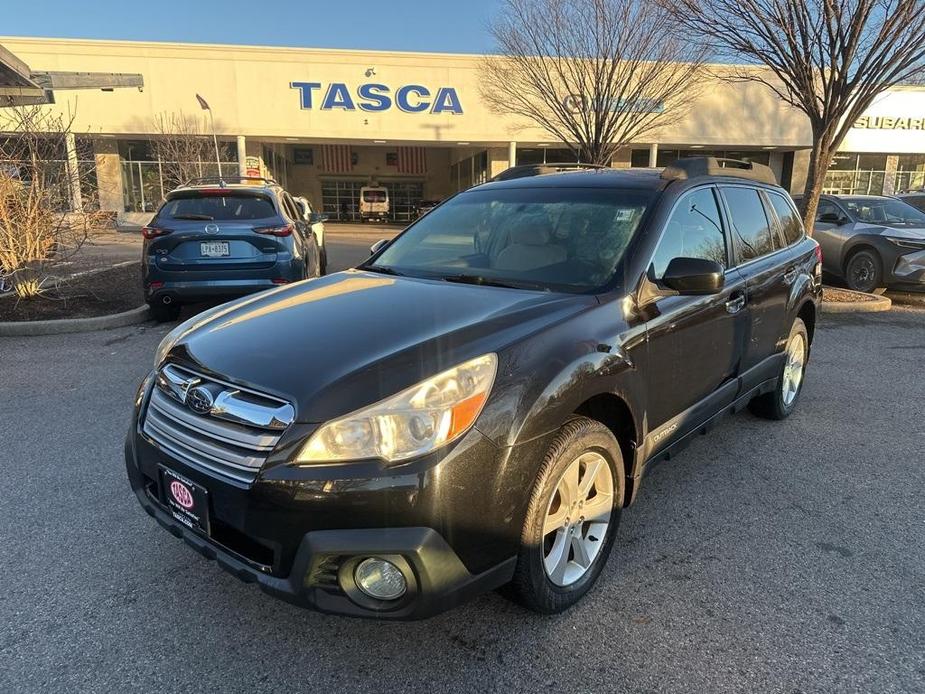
[373, 98]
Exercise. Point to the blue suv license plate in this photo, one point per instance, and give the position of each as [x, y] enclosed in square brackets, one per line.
[214, 249]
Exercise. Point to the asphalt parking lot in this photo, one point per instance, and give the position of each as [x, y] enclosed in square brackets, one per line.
[772, 557]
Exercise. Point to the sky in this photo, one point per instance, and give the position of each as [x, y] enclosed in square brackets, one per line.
[453, 26]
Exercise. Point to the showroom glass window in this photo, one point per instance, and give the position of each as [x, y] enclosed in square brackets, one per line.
[749, 222]
[694, 230]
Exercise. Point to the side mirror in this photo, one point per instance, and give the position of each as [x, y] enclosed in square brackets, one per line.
[830, 218]
[378, 246]
[316, 217]
[694, 276]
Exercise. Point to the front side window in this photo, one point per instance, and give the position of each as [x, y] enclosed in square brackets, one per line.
[694, 230]
[789, 219]
[558, 239]
[749, 222]
[826, 208]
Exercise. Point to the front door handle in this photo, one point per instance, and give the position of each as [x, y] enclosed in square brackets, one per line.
[790, 275]
[736, 303]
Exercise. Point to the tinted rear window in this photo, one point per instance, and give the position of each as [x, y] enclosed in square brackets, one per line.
[374, 196]
[789, 219]
[218, 207]
[752, 230]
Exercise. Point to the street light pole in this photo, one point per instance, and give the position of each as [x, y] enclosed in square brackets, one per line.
[205, 107]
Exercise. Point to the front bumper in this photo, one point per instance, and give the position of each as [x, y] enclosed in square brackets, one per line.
[452, 521]
[320, 577]
[909, 270]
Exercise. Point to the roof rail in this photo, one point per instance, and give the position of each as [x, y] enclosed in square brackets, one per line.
[222, 181]
[526, 170]
[694, 167]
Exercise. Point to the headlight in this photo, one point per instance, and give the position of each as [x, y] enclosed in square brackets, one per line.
[416, 421]
[914, 244]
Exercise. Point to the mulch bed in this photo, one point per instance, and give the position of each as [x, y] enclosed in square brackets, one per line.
[111, 291]
[840, 296]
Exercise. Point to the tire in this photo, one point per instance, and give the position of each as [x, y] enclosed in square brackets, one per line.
[323, 267]
[583, 443]
[782, 401]
[864, 272]
[165, 313]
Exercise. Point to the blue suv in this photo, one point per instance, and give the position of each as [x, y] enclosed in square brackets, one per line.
[214, 240]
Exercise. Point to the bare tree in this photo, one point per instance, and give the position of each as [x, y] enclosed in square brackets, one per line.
[828, 58]
[39, 230]
[184, 149]
[594, 74]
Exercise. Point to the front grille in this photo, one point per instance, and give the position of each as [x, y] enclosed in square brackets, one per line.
[231, 433]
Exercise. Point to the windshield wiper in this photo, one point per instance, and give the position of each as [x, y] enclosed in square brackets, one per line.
[486, 282]
[381, 269]
[195, 217]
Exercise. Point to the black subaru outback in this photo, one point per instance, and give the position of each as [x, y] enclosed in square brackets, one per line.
[484, 394]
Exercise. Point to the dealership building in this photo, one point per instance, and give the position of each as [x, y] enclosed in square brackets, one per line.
[326, 122]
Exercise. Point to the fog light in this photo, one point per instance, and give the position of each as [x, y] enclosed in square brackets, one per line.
[380, 579]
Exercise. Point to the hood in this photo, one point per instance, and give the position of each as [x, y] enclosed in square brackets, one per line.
[337, 343]
[905, 231]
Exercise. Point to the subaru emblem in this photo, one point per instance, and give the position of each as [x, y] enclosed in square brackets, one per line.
[199, 400]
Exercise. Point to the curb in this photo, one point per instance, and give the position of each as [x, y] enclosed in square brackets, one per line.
[75, 325]
[908, 298]
[879, 304]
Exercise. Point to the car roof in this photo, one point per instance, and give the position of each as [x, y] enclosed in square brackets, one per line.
[633, 179]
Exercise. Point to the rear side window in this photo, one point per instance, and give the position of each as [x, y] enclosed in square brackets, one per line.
[749, 222]
[218, 208]
[789, 219]
[694, 230]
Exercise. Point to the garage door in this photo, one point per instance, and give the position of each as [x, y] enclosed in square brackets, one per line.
[340, 197]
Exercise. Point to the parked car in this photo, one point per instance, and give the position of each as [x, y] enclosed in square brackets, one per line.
[315, 221]
[424, 206]
[872, 242]
[916, 198]
[211, 239]
[476, 404]
[374, 203]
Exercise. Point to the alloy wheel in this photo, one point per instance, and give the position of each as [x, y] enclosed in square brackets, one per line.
[863, 273]
[793, 369]
[577, 518]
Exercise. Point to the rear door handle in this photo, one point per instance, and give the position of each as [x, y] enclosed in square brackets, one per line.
[736, 303]
[790, 275]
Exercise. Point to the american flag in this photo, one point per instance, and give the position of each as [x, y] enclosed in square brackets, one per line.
[412, 160]
[336, 158]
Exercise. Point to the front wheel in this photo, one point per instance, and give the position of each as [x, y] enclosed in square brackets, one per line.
[780, 402]
[864, 273]
[572, 518]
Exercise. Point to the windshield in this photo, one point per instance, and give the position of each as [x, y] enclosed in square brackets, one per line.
[218, 207]
[884, 211]
[559, 239]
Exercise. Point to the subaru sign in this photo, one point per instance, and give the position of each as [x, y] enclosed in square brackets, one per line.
[372, 97]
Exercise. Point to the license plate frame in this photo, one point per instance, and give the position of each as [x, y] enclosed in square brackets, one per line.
[185, 500]
[214, 249]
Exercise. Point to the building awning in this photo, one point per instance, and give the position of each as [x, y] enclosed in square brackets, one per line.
[20, 86]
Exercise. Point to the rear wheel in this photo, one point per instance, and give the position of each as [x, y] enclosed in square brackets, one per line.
[864, 272]
[572, 518]
[779, 403]
[323, 268]
[165, 313]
